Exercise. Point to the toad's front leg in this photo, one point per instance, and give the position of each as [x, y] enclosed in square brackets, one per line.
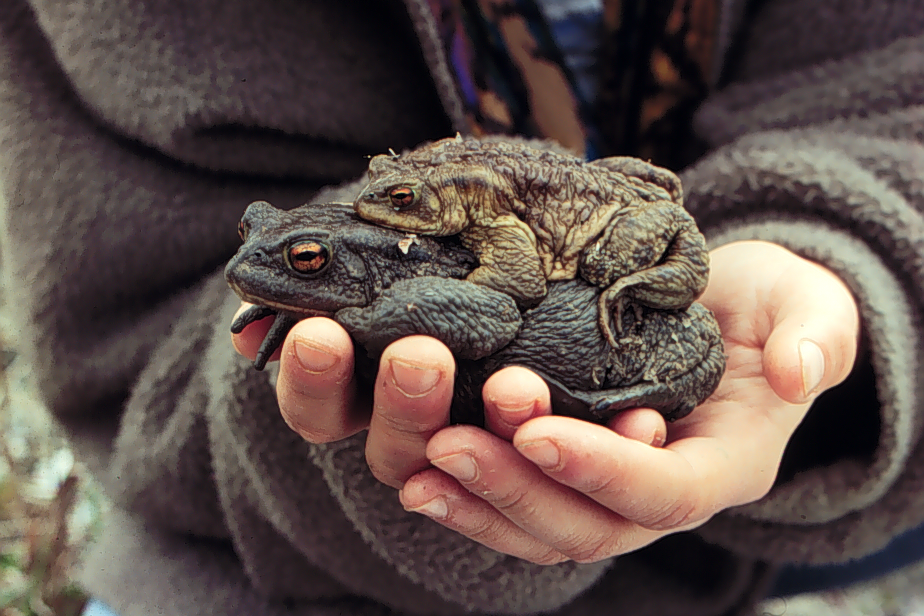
[508, 260]
[654, 255]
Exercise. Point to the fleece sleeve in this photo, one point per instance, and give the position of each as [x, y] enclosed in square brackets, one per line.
[120, 202]
[828, 161]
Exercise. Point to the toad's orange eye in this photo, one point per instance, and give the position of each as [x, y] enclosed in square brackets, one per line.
[401, 196]
[308, 257]
[242, 231]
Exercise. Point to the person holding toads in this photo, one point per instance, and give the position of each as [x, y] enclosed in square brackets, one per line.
[133, 134]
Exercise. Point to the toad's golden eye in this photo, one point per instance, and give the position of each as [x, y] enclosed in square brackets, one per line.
[308, 257]
[402, 196]
[242, 231]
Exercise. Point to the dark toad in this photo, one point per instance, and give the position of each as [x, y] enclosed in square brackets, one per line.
[382, 285]
[532, 216]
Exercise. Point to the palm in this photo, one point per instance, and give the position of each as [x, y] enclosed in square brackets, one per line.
[759, 293]
[607, 492]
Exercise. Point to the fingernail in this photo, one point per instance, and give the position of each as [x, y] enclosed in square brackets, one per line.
[514, 414]
[543, 453]
[436, 508]
[813, 366]
[460, 465]
[658, 438]
[312, 357]
[413, 381]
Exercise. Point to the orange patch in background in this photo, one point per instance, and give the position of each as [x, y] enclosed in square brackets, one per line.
[656, 107]
[554, 110]
[700, 39]
[494, 108]
[664, 71]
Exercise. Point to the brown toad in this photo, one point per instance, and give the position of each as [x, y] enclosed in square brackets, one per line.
[533, 216]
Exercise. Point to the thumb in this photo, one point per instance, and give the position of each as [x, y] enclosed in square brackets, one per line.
[813, 341]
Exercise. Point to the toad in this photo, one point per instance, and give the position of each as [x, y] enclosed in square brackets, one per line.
[322, 260]
[535, 216]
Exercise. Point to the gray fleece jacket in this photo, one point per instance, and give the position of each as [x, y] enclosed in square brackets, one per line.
[134, 132]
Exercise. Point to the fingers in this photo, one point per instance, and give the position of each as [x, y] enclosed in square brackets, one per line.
[314, 388]
[318, 398]
[813, 342]
[413, 393]
[582, 490]
[512, 396]
[643, 425]
[798, 313]
[655, 488]
[566, 488]
[529, 514]
[439, 496]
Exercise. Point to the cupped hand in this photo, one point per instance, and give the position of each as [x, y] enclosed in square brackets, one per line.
[319, 398]
[549, 489]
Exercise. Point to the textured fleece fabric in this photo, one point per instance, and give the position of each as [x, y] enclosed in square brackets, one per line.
[134, 132]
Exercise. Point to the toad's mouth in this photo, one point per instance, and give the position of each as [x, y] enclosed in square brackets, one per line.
[300, 312]
[286, 318]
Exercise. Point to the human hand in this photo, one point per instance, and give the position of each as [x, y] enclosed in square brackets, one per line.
[549, 489]
[319, 400]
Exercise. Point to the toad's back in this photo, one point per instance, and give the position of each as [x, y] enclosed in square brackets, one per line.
[565, 202]
[533, 216]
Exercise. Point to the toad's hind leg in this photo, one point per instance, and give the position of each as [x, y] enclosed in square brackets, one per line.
[637, 168]
[508, 260]
[654, 255]
[673, 398]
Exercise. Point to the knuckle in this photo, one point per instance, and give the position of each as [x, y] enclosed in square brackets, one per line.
[298, 403]
[760, 489]
[385, 473]
[600, 485]
[674, 514]
[548, 556]
[485, 529]
[312, 434]
[594, 550]
[492, 530]
[513, 499]
[318, 437]
[401, 424]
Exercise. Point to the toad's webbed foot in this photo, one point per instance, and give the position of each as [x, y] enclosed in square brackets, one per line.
[601, 406]
[274, 337]
[611, 311]
[250, 315]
